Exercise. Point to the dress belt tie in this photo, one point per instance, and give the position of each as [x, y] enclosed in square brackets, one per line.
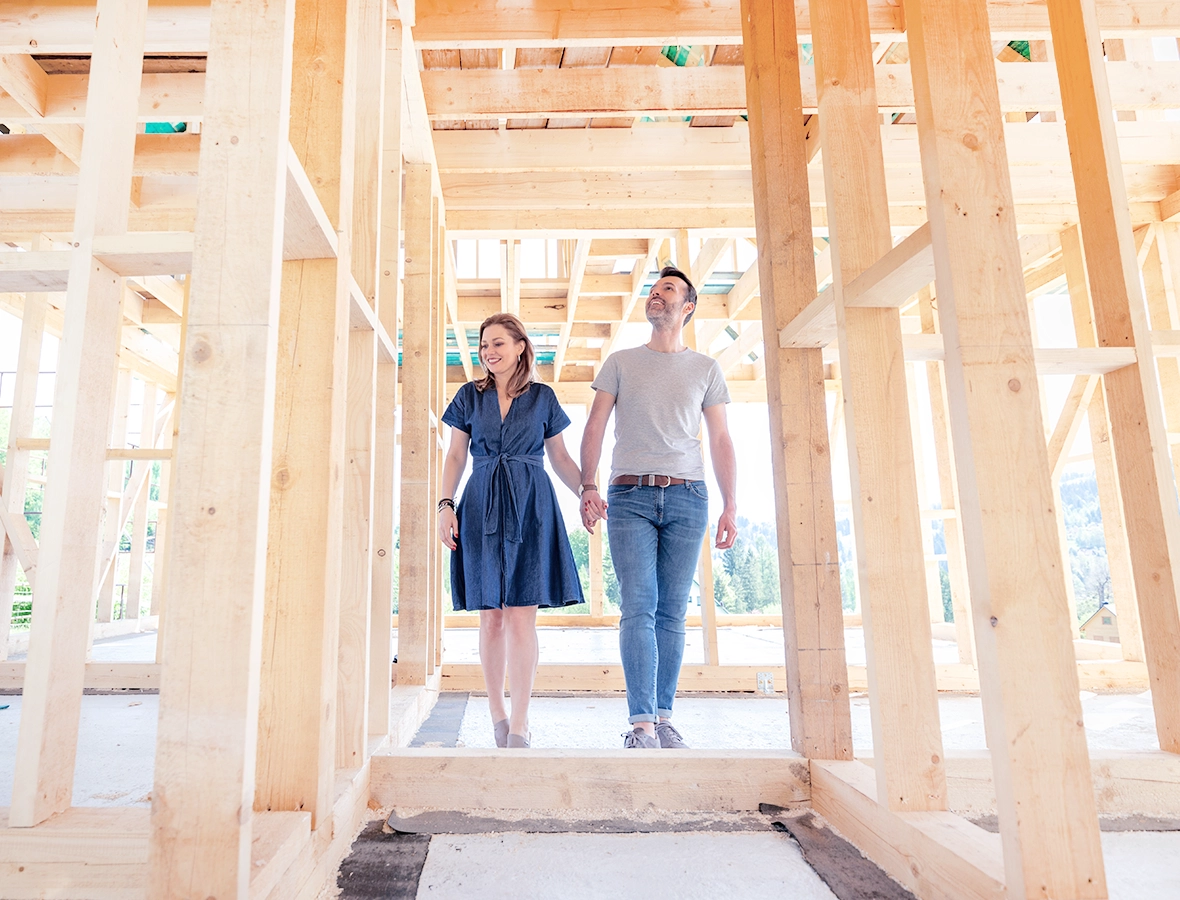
[503, 489]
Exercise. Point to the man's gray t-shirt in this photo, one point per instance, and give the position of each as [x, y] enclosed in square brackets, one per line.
[658, 402]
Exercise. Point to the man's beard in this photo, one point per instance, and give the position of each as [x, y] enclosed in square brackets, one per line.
[665, 318]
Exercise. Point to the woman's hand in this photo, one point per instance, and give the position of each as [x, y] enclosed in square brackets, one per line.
[448, 527]
[593, 508]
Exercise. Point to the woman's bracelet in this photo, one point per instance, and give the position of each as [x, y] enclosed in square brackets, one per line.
[446, 502]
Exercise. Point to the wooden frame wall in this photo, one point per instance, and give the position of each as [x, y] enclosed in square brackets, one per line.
[323, 137]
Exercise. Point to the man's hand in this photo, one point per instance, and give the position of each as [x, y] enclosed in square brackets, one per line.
[593, 508]
[726, 529]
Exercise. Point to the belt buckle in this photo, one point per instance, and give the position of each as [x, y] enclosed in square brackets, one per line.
[652, 482]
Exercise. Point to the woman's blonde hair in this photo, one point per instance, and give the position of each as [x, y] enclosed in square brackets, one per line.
[522, 375]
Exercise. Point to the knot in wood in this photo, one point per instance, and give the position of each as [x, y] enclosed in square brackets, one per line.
[202, 350]
[282, 476]
[970, 141]
[1014, 384]
[994, 621]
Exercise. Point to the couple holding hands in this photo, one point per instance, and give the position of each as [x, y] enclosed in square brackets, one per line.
[511, 552]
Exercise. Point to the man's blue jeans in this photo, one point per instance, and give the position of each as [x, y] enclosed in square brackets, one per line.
[655, 542]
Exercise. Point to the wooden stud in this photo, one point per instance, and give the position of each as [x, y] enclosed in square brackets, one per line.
[20, 424]
[203, 797]
[297, 706]
[1137, 427]
[133, 598]
[367, 36]
[1114, 527]
[417, 531]
[112, 524]
[385, 483]
[952, 527]
[47, 742]
[805, 514]
[705, 559]
[1031, 707]
[890, 559]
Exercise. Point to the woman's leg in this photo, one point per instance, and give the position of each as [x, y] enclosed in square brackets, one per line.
[493, 658]
[523, 650]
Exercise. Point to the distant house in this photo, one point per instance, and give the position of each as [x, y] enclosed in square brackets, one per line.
[1102, 626]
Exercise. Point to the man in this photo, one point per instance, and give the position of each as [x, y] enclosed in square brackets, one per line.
[657, 499]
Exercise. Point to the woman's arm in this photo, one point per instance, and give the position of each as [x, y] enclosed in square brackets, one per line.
[563, 464]
[456, 462]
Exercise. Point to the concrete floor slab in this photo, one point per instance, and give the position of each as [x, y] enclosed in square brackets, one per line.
[592, 866]
[116, 749]
[1142, 865]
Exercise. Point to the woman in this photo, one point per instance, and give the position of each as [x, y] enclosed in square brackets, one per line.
[510, 554]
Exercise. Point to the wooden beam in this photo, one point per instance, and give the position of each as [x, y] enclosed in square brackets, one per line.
[587, 779]
[203, 800]
[561, 23]
[809, 575]
[932, 854]
[47, 741]
[27, 84]
[472, 94]
[180, 27]
[1029, 685]
[677, 148]
[888, 283]
[1137, 426]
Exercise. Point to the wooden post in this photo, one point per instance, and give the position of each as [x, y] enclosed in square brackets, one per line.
[891, 562]
[1137, 426]
[596, 586]
[356, 598]
[952, 525]
[705, 559]
[384, 473]
[20, 425]
[1161, 279]
[68, 554]
[1114, 526]
[438, 405]
[116, 475]
[813, 620]
[164, 494]
[297, 708]
[417, 521]
[930, 564]
[1029, 683]
[147, 433]
[203, 799]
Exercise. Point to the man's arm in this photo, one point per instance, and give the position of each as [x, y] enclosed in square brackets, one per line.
[725, 469]
[593, 505]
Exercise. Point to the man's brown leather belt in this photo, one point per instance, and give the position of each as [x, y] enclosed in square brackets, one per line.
[649, 480]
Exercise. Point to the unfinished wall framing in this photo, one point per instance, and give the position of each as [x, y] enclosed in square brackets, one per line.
[274, 291]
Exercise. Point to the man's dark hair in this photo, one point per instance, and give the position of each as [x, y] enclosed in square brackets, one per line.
[691, 296]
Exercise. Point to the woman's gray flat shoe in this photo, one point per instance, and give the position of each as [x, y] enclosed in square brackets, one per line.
[518, 740]
[501, 729]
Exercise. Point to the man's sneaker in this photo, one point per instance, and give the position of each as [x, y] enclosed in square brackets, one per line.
[639, 740]
[670, 738]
